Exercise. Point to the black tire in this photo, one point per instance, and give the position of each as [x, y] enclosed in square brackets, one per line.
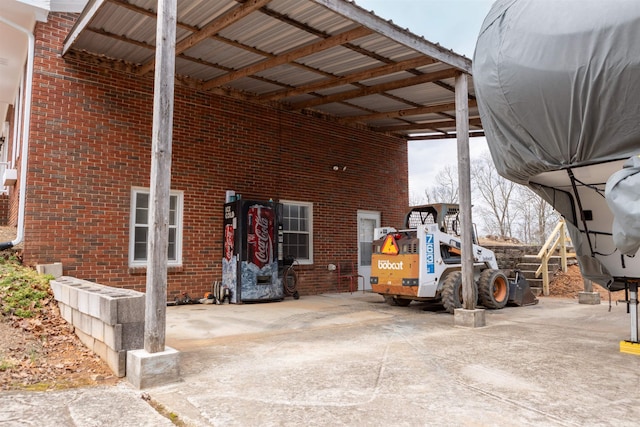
[493, 289]
[451, 293]
[395, 301]
[402, 302]
[290, 282]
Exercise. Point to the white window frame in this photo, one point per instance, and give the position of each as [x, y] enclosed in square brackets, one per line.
[309, 206]
[178, 227]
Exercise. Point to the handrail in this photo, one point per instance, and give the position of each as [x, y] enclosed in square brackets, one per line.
[557, 238]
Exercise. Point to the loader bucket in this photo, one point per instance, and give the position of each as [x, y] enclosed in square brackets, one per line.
[520, 293]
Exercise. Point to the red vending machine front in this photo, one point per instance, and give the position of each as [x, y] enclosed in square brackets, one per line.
[251, 260]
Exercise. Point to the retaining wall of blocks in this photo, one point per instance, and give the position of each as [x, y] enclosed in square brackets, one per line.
[109, 321]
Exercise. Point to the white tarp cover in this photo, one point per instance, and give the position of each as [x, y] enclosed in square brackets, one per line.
[558, 83]
[558, 87]
[623, 198]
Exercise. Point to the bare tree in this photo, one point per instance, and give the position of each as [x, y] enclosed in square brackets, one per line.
[496, 193]
[445, 189]
[536, 217]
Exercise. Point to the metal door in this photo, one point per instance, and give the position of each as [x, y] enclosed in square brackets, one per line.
[367, 221]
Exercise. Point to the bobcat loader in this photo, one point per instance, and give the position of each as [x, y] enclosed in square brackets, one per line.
[422, 263]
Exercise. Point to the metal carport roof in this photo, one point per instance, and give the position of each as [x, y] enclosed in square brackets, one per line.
[326, 57]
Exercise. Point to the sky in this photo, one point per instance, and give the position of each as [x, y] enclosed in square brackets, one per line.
[454, 24]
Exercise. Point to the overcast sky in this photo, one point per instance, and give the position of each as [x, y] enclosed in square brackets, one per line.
[454, 24]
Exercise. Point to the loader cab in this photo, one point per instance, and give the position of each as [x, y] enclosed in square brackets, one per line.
[446, 215]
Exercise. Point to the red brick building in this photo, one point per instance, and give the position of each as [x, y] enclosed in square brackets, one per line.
[90, 133]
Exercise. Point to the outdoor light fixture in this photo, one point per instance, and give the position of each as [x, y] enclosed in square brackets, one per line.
[338, 167]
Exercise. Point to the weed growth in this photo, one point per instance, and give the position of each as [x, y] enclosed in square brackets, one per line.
[22, 289]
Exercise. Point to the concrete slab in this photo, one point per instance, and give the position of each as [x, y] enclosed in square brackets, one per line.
[350, 359]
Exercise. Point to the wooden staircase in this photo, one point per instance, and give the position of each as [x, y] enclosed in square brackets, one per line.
[530, 265]
[552, 256]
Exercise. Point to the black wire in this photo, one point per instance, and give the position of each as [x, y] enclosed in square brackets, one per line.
[577, 196]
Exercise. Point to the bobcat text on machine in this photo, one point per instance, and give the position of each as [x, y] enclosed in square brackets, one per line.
[422, 262]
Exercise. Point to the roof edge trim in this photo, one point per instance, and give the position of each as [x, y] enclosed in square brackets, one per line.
[85, 18]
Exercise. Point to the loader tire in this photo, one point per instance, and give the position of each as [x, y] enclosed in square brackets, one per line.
[451, 293]
[493, 289]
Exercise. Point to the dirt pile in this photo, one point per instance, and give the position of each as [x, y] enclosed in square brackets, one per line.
[569, 284]
[43, 353]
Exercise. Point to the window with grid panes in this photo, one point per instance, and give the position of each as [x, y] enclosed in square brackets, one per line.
[139, 233]
[298, 231]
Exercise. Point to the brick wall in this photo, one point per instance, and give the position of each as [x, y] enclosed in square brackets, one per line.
[91, 142]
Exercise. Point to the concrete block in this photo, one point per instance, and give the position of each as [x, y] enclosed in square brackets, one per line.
[73, 297]
[66, 312]
[146, 370]
[54, 269]
[100, 349]
[117, 362]
[109, 310]
[97, 328]
[83, 300]
[591, 298]
[113, 336]
[82, 322]
[131, 309]
[469, 318]
[132, 336]
[94, 306]
[86, 339]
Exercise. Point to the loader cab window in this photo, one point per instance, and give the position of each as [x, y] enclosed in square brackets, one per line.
[297, 221]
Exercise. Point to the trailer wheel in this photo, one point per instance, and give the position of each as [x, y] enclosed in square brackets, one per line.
[395, 301]
[451, 293]
[493, 289]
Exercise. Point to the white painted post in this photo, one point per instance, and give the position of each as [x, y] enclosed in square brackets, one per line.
[464, 183]
[160, 185]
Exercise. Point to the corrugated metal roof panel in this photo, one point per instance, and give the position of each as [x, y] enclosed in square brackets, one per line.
[255, 45]
[339, 61]
[223, 54]
[291, 75]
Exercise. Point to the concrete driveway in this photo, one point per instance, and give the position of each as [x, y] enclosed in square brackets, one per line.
[351, 360]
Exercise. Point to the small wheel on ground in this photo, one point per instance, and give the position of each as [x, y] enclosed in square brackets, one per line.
[395, 301]
[493, 289]
[451, 293]
[402, 302]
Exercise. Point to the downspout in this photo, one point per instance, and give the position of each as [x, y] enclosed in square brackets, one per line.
[25, 135]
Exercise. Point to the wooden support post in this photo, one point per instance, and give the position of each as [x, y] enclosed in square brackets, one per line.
[160, 185]
[464, 183]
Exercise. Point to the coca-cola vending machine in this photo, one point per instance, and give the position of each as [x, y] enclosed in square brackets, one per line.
[252, 249]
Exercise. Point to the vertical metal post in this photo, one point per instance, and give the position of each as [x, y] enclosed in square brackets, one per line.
[633, 303]
[160, 185]
[464, 184]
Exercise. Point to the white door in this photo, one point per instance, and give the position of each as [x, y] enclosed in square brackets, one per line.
[367, 221]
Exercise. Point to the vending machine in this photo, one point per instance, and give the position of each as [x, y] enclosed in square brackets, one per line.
[252, 256]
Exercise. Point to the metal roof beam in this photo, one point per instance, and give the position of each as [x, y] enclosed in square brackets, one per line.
[371, 90]
[212, 28]
[285, 58]
[424, 126]
[431, 109]
[349, 78]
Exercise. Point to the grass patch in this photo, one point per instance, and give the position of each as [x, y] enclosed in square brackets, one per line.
[22, 289]
[5, 364]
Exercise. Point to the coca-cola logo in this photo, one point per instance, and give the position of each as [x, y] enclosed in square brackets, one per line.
[263, 240]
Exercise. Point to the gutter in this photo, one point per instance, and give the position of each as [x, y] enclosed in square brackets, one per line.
[25, 135]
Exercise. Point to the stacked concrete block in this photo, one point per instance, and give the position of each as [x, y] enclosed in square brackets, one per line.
[109, 321]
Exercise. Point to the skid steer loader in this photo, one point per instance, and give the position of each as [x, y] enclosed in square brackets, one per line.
[422, 262]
